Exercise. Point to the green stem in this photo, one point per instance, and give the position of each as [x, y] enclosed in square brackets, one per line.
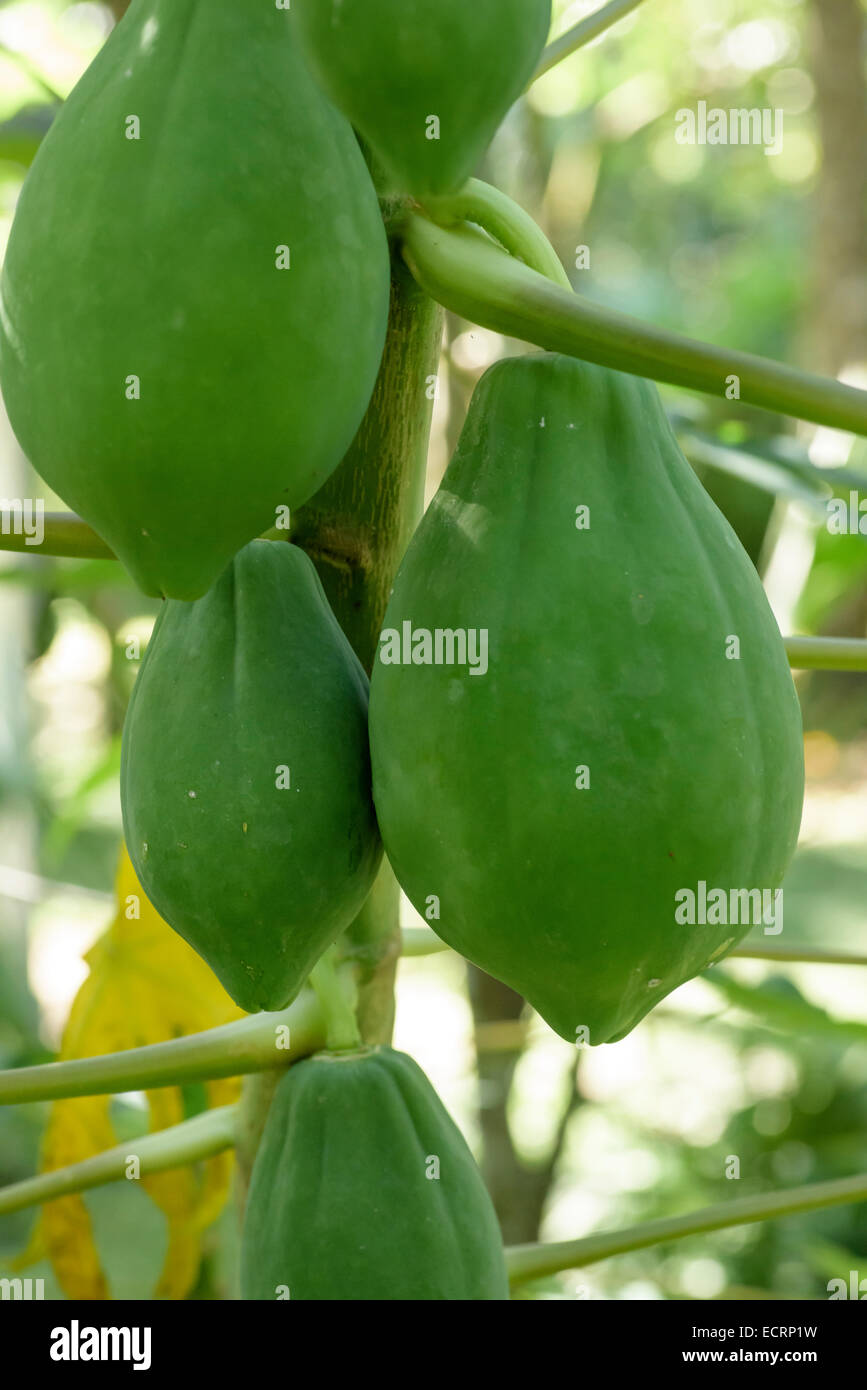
[798, 955]
[358, 525]
[260, 1043]
[535, 1261]
[471, 276]
[65, 536]
[257, 1093]
[202, 1137]
[372, 945]
[341, 1025]
[355, 530]
[826, 653]
[585, 31]
[503, 219]
[252, 1044]
[421, 941]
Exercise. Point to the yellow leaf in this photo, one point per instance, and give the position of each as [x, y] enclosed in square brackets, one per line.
[145, 985]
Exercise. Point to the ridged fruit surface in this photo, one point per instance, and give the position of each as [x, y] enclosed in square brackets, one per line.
[191, 321]
[364, 1189]
[245, 775]
[636, 732]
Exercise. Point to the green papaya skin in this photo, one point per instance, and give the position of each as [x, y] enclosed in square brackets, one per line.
[607, 650]
[252, 680]
[341, 1206]
[392, 65]
[157, 259]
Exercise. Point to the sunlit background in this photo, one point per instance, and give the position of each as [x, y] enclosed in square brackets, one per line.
[766, 253]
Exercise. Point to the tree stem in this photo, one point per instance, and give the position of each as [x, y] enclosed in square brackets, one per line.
[358, 525]
[341, 1026]
[355, 530]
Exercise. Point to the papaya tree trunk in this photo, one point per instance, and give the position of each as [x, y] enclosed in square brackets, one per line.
[837, 331]
[355, 530]
[357, 527]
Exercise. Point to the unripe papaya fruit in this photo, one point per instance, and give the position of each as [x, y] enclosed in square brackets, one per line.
[426, 84]
[195, 293]
[624, 726]
[364, 1189]
[245, 775]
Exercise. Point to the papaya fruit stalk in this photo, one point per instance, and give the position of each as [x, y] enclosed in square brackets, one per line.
[338, 1006]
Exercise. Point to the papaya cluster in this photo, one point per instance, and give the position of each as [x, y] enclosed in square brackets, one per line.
[195, 294]
[581, 704]
[171, 253]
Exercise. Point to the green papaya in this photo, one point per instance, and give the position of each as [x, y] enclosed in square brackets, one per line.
[363, 1188]
[426, 84]
[245, 775]
[581, 709]
[195, 293]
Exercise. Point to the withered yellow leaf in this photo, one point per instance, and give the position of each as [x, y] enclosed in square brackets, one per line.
[145, 985]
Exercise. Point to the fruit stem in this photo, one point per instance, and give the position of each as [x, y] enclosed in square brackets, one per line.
[467, 272]
[341, 1025]
[503, 219]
